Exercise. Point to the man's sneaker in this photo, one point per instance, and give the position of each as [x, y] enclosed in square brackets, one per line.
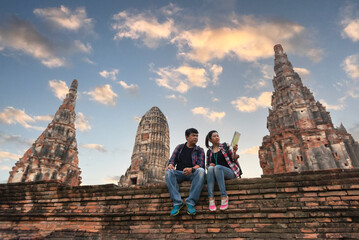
[176, 209]
[224, 203]
[191, 210]
[212, 205]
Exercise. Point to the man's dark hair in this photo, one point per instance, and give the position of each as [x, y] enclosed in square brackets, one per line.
[190, 130]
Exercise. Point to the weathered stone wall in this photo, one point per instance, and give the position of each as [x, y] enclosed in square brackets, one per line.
[317, 205]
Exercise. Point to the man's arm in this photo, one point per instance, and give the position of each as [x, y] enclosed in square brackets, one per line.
[171, 163]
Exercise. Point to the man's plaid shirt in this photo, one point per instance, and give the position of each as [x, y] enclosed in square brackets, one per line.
[197, 156]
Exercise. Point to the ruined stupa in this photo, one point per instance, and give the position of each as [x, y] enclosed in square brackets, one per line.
[54, 153]
[302, 136]
[150, 152]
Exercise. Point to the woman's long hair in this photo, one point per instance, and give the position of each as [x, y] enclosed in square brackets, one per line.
[209, 135]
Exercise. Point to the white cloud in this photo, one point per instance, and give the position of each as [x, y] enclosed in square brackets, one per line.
[66, 18]
[82, 123]
[137, 119]
[103, 95]
[214, 99]
[21, 35]
[260, 83]
[143, 26]
[89, 61]
[303, 72]
[250, 39]
[5, 138]
[109, 74]
[59, 87]
[12, 116]
[7, 156]
[183, 78]
[207, 113]
[267, 71]
[113, 180]
[132, 88]
[338, 106]
[46, 118]
[250, 104]
[81, 47]
[351, 66]
[5, 168]
[97, 147]
[180, 98]
[350, 22]
[252, 151]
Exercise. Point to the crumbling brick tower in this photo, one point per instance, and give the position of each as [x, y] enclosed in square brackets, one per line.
[302, 136]
[150, 152]
[54, 153]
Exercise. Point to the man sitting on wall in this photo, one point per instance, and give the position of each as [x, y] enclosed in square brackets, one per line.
[186, 164]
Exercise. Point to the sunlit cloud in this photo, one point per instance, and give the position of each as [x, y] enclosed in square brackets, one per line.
[183, 78]
[103, 95]
[251, 151]
[132, 88]
[8, 156]
[11, 115]
[350, 22]
[89, 61]
[251, 104]
[82, 124]
[20, 35]
[109, 74]
[45, 118]
[351, 66]
[66, 18]
[179, 98]
[214, 99]
[142, 26]
[113, 179]
[59, 88]
[303, 72]
[137, 119]
[339, 106]
[249, 39]
[5, 168]
[97, 147]
[209, 114]
[81, 47]
[216, 71]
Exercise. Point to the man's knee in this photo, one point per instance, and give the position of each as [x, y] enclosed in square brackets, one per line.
[200, 172]
[169, 173]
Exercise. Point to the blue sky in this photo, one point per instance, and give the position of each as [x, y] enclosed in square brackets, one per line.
[205, 64]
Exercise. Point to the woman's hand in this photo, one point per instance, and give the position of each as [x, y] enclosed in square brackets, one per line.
[235, 148]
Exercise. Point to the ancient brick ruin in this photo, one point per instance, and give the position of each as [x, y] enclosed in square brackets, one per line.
[302, 136]
[53, 156]
[150, 152]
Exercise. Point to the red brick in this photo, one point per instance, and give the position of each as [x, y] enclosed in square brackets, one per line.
[214, 230]
[242, 230]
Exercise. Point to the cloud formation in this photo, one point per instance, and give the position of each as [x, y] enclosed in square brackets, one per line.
[12, 116]
[103, 95]
[338, 106]
[93, 146]
[142, 26]
[113, 179]
[251, 104]
[180, 98]
[59, 88]
[82, 123]
[20, 35]
[209, 114]
[132, 88]
[350, 22]
[303, 72]
[8, 156]
[183, 78]
[351, 66]
[109, 74]
[66, 18]
[251, 151]
[5, 138]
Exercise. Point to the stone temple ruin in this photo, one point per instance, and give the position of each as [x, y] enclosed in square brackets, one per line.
[54, 153]
[302, 136]
[150, 152]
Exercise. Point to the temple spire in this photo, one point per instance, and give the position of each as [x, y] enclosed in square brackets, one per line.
[54, 154]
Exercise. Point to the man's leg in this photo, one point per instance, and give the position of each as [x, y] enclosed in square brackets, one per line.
[197, 179]
[172, 177]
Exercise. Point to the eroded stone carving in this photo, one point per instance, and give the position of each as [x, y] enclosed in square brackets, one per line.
[302, 135]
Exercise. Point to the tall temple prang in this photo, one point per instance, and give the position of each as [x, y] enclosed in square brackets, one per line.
[302, 136]
[150, 152]
[54, 153]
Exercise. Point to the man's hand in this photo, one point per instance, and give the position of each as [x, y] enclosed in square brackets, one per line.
[187, 171]
[212, 165]
[170, 167]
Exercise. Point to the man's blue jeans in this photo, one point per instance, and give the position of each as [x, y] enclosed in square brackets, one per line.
[219, 173]
[173, 177]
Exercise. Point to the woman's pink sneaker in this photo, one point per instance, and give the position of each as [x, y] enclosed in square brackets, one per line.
[212, 206]
[224, 204]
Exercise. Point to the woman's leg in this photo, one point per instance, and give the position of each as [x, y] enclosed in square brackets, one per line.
[221, 174]
[210, 182]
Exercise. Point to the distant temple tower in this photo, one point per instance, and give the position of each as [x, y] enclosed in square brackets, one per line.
[302, 136]
[151, 151]
[54, 153]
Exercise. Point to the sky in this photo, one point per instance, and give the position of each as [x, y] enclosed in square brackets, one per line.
[205, 64]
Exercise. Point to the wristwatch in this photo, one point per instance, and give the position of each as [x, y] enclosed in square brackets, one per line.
[193, 170]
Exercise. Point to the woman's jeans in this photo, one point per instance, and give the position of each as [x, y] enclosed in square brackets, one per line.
[173, 177]
[220, 173]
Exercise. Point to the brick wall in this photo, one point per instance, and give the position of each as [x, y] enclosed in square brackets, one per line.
[318, 205]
